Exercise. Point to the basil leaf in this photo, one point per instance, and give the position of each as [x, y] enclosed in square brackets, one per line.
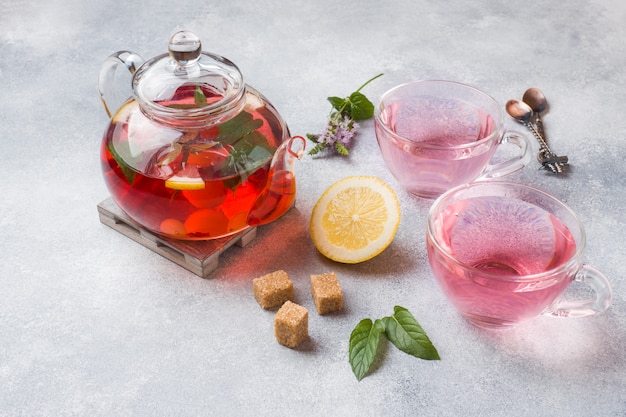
[407, 335]
[364, 345]
[361, 107]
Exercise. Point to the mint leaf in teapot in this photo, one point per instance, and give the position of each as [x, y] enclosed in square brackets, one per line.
[122, 155]
[341, 127]
[199, 97]
[237, 128]
[401, 329]
[249, 149]
[199, 100]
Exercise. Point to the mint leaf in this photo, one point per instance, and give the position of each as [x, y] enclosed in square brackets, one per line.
[199, 97]
[249, 149]
[121, 153]
[338, 103]
[246, 155]
[360, 106]
[313, 138]
[341, 149]
[401, 329]
[341, 126]
[364, 345]
[407, 335]
[318, 148]
[356, 107]
[236, 128]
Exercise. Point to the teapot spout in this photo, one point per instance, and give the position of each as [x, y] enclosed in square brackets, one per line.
[280, 191]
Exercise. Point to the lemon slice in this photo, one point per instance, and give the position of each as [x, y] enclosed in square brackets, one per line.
[187, 178]
[184, 183]
[355, 219]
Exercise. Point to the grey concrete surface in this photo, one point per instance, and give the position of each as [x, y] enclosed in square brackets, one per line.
[93, 324]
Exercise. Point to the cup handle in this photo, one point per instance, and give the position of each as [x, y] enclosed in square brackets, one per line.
[511, 165]
[589, 306]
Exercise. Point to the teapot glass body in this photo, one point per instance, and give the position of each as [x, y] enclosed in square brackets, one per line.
[197, 162]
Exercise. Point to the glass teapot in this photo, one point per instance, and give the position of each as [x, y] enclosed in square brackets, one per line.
[194, 153]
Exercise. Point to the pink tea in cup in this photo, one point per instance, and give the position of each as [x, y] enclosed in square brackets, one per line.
[434, 135]
[504, 253]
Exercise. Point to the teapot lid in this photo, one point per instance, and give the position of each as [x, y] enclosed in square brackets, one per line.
[188, 79]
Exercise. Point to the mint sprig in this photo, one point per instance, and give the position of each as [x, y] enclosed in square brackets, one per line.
[248, 149]
[401, 329]
[342, 126]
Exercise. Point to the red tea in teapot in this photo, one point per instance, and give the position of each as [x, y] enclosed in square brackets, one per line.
[197, 183]
[194, 153]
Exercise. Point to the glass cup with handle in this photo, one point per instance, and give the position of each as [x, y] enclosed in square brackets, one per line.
[504, 253]
[435, 135]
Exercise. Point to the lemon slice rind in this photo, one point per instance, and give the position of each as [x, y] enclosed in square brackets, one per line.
[373, 188]
[184, 183]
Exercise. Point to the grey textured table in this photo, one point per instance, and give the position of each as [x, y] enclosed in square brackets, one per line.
[94, 324]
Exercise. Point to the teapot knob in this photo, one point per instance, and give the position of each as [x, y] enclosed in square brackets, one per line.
[185, 47]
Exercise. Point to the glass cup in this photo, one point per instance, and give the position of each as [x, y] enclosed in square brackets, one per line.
[435, 135]
[504, 253]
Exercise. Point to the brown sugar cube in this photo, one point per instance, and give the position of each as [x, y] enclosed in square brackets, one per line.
[273, 289]
[326, 293]
[291, 324]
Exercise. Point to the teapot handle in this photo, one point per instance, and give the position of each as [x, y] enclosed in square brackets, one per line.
[108, 82]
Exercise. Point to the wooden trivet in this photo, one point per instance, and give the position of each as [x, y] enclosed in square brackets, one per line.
[198, 256]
